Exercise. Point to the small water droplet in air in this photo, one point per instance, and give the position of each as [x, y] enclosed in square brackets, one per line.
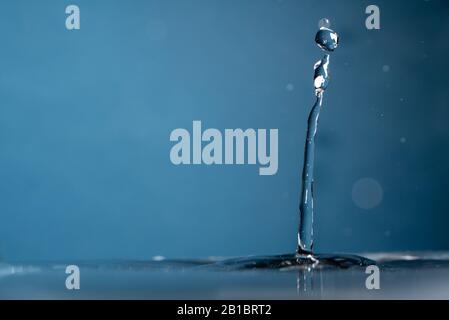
[403, 140]
[386, 68]
[327, 39]
[324, 23]
[290, 87]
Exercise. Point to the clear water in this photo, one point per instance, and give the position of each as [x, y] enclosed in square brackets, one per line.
[327, 40]
[305, 258]
[305, 234]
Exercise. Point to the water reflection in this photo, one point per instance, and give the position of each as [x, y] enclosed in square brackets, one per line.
[309, 283]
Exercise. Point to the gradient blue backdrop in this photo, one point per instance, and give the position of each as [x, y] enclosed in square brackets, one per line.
[85, 119]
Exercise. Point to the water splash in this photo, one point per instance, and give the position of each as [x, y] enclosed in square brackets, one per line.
[327, 40]
[304, 259]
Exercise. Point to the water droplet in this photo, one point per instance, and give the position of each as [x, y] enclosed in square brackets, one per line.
[386, 68]
[324, 23]
[321, 78]
[327, 39]
[403, 140]
[290, 87]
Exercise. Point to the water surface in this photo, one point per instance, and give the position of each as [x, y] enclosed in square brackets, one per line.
[403, 276]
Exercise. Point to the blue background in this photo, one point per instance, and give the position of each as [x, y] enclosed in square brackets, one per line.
[85, 119]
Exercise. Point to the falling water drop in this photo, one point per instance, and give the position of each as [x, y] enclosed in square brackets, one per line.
[324, 23]
[327, 39]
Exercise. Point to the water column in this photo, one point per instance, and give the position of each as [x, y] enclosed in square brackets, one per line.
[327, 40]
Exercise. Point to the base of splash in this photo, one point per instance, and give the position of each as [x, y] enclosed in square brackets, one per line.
[295, 261]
